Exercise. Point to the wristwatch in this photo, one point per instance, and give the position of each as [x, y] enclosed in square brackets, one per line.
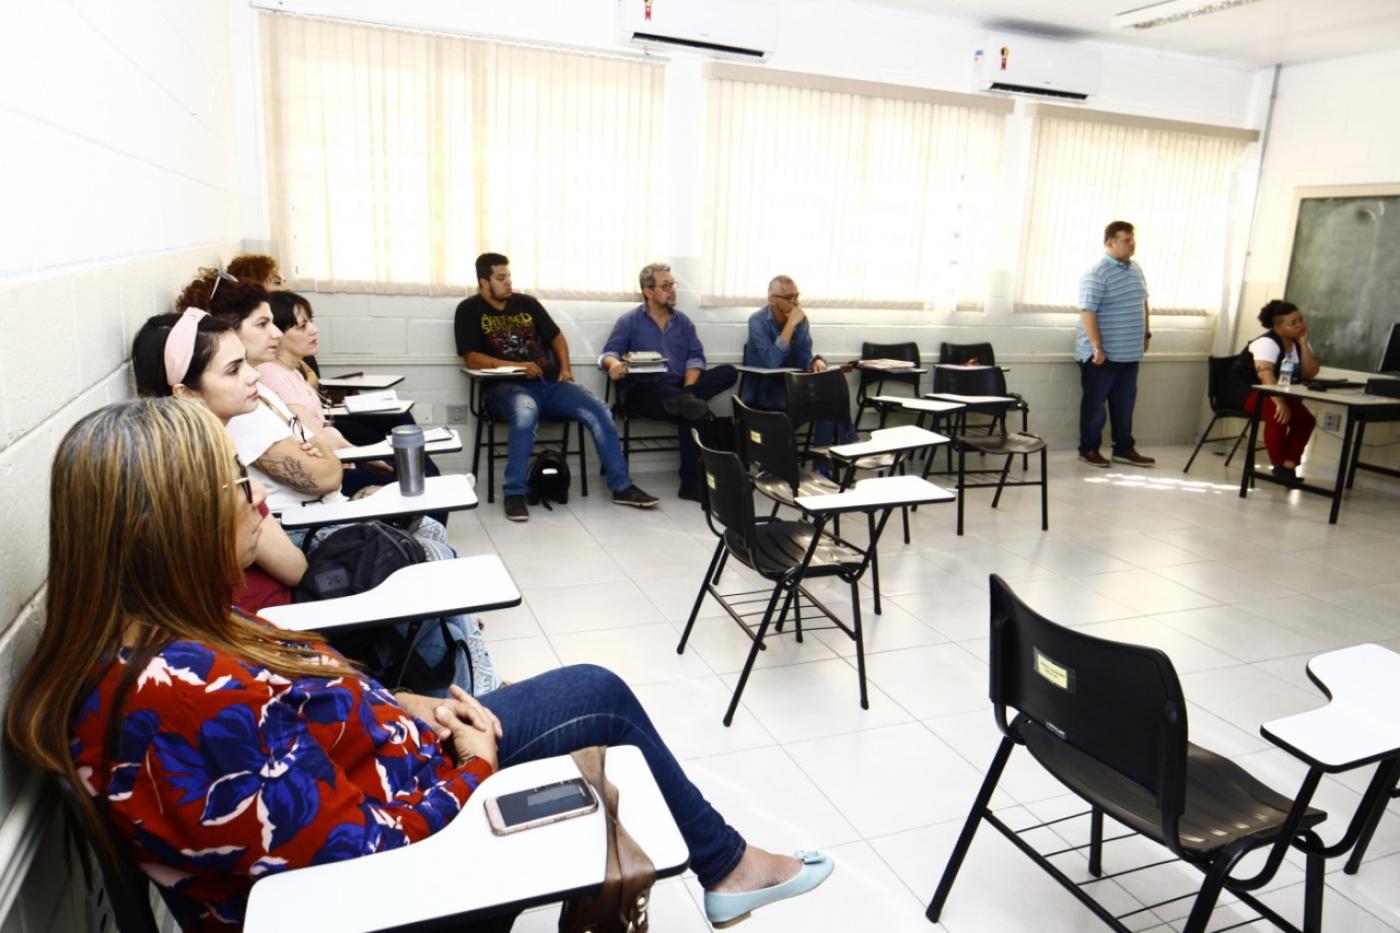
[1147, 334]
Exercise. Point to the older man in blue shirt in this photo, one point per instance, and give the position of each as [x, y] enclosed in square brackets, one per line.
[681, 393]
[779, 336]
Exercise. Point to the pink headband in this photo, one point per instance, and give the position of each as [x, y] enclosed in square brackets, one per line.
[179, 345]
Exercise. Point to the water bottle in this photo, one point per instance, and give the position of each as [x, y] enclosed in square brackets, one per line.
[1285, 372]
[407, 441]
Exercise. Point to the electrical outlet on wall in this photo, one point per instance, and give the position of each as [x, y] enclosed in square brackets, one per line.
[458, 414]
[1332, 421]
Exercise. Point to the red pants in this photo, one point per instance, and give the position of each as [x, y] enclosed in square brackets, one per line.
[1284, 441]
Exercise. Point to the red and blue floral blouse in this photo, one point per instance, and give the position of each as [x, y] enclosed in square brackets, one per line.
[225, 772]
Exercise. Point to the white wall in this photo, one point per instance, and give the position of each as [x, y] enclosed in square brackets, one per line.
[119, 181]
[846, 40]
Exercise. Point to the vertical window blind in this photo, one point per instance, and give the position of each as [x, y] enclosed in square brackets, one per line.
[1176, 188]
[865, 200]
[395, 157]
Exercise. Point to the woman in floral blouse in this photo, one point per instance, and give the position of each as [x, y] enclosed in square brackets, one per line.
[222, 749]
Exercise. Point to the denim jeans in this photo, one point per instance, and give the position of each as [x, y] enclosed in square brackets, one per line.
[473, 671]
[574, 707]
[1116, 384]
[646, 397]
[523, 404]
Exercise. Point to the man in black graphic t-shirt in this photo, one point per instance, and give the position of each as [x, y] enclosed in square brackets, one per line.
[497, 327]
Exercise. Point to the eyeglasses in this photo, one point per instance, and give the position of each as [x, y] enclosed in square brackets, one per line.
[791, 299]
[297, 428]
[221, 277]
[242, 480]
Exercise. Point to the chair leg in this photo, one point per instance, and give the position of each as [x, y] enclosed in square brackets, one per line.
[874, 564]
[720, 552]
[860, 643]
[904, 513]
[1205, 434]
[1314, 876]
[1044, 494]
[1387, 783]
[582, 460]
[962, 477]
[1096, 842]
[1236, 446]
[1001, 483]
[753, 654]
[723, 559]
[476, 451]
[1204, 905]
[490, 461]
[979, 807]
[1025, 429]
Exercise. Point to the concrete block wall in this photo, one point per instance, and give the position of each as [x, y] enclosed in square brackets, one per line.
[119, 182]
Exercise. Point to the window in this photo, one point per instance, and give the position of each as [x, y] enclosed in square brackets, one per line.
[866, 194]
[1176, 187]
[396, 157]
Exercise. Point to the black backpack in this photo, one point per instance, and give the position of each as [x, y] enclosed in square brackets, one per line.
[548, 479]
[357, 558]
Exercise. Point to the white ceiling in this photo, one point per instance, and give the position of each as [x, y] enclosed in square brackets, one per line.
[1266, 32]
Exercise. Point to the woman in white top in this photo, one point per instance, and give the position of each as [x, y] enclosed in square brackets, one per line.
[1287, 422]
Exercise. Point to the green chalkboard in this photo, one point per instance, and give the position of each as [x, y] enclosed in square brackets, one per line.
[1345, 275]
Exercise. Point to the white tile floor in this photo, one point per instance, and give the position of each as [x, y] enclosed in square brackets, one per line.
[1238, 593]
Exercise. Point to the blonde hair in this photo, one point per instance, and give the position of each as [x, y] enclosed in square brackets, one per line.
[143, 526]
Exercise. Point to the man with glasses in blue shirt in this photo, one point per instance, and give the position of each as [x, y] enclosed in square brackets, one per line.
[1112, 337]
[681, 393]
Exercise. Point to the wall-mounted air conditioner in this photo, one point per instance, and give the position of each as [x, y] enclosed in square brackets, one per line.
[742, 29]
[1015, 64]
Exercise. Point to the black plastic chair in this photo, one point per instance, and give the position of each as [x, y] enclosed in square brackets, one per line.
[872, 381]
[768, 444]
[1217, 369]
[785, 553]
[967, 354]
[654, 441]
[1108, 720]
[486, 421]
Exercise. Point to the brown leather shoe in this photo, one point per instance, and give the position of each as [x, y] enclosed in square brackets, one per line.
[1135, 458]
[1093, 458]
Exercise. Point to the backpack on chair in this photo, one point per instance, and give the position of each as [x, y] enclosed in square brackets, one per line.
[547, 480]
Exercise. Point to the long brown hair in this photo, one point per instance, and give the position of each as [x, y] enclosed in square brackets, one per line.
[143, 517]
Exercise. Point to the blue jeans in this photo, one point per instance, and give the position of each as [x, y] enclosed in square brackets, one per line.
[1116, 384]
[575, 707]
[523, 404]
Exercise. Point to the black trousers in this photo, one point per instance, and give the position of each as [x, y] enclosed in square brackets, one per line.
[646, 398]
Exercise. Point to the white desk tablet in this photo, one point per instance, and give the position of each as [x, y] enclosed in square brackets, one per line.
[1360, 724]
[384, 451]
[452, 493]
[362, 381]
[933, 406]
[879, 492]
[766, 370]
[465, 869]
[889, 441]
[972, 399]
[422, 591]
[401, 407]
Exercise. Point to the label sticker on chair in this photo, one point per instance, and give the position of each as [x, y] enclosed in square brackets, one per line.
[756, 437]
[710, 481]
[1057, 674]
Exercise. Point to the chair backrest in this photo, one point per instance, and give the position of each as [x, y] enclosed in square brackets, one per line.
[127, 887]
[767, 442]
[888, 351]
[727, 494]
[960, 354]
[1117, 703]
[989, 381]
[822, 396]
[1217, 375]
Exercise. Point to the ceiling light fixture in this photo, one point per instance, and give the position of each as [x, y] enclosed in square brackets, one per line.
[1171, 11]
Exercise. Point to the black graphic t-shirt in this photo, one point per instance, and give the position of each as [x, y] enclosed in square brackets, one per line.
[521, 333]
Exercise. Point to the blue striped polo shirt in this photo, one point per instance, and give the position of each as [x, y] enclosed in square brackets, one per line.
[1117, 292]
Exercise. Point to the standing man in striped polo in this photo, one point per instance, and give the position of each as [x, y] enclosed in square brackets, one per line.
[1112, 337]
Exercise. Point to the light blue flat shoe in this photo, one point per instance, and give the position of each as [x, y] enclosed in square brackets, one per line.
[725, 910]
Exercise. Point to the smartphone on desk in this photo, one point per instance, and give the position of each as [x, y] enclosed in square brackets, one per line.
[540, 806]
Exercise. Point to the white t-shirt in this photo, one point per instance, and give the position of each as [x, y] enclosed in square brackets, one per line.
[254, 433]
[1265, 350]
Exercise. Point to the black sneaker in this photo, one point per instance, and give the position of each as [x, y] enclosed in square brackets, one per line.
[516, 509]
[634, 497]
[686, 406]
[689, 491]
[1286, 474]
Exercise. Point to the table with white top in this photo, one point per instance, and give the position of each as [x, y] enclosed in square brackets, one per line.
[1361, 409]
[453, 493]
[899, 440]
[876, 493]
[360, 381]
[464, 872]
[1359, 726]
[384, 449]
[419, 591]
[401, 407]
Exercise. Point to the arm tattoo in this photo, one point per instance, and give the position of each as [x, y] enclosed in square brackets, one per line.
[289, 472]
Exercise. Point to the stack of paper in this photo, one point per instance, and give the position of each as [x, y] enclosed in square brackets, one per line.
[371, 401]
[886, 364]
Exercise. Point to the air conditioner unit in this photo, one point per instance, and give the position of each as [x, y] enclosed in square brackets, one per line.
[1019, 65]
[743, 29]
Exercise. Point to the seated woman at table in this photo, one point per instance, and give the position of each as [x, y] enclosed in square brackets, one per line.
[1287, 422]
[199, 358]
[222, 749]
